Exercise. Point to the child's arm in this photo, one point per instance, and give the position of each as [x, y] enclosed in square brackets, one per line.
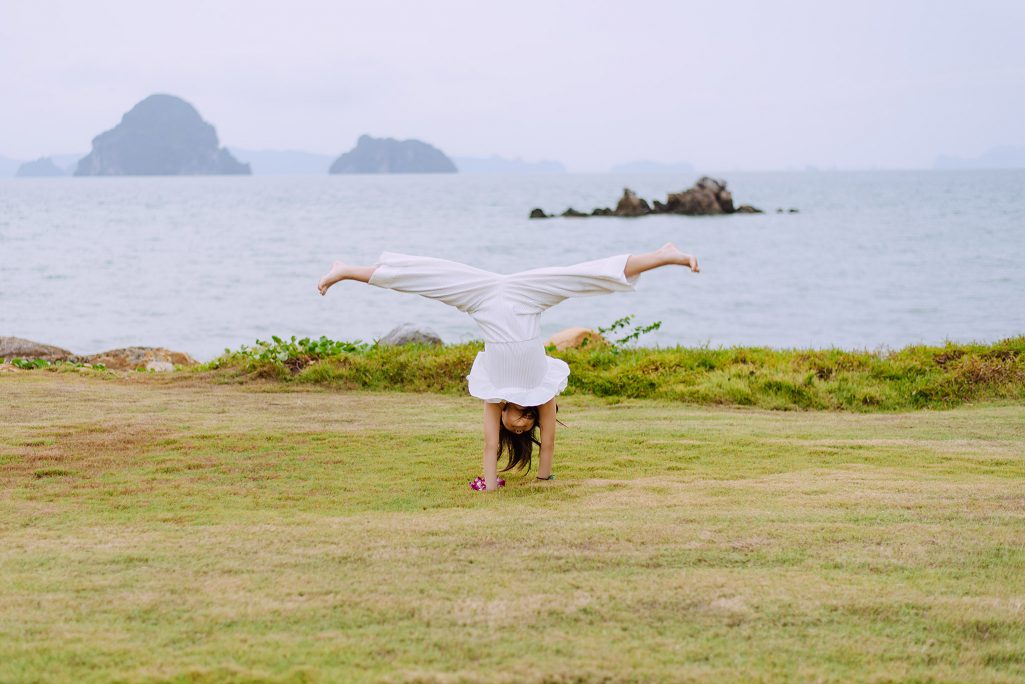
[546, 416]
[492, 418]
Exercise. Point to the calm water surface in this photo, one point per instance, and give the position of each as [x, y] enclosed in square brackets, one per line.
[873, 259]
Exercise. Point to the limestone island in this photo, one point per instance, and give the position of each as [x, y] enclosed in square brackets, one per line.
[388, 155]
[161, 136]
[709, 196]
[40, 168]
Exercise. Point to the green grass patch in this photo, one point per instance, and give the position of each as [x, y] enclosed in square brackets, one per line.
[286, 532]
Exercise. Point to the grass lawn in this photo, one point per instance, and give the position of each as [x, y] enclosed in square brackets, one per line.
[158, 529]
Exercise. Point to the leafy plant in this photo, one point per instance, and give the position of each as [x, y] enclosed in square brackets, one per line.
[291, 354]
[622, 325]
[32, 364]
[29, 364]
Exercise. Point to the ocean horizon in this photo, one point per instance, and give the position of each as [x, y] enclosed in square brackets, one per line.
[871, 260]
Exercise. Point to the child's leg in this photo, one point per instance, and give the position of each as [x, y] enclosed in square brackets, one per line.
[541, 288]
[666, 255]
[451, 282]
[342, 271]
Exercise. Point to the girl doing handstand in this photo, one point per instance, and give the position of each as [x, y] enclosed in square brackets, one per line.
[514, 377]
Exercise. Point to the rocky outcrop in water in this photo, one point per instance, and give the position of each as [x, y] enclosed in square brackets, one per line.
[708, 196]
[40, 168]
[387, 155]
[631, 205]
[161, 136]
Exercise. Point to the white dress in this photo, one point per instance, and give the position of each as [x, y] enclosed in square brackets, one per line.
[513, 366]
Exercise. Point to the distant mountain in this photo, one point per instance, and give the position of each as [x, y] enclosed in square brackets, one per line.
[65, 162]
[161, 136]
[653, 167]
[1004, 157]
[496, 164]
[387, 155]
[68, 162]
[283, 162]
[41, 167]
[8, 166]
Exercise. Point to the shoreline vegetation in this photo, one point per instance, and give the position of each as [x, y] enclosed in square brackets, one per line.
[914, 377]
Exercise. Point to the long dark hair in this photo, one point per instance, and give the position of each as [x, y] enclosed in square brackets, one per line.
[519, 448]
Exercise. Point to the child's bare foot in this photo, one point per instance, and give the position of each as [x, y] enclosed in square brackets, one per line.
[675, 256]
[337, 272]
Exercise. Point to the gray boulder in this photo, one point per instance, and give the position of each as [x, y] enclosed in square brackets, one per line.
[19, 348]
[410, 333]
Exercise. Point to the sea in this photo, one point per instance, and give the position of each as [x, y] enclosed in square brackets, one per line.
[870, 260]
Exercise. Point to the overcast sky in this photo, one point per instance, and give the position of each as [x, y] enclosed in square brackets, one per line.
[725, 85]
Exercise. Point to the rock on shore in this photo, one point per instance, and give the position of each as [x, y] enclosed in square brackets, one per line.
[126, 358]
[132, 358]
[410, 333]
[20, 348]
[162, 135]
[572, 338]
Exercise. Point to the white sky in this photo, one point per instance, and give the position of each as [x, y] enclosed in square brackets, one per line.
[724, 85]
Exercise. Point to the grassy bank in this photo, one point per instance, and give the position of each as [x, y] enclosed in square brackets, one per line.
[188, 531]
[910, 378]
